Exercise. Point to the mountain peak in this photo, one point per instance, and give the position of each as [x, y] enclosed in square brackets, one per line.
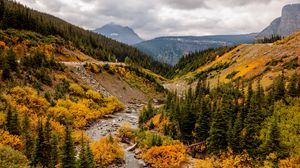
[120, 33]
[288, 23]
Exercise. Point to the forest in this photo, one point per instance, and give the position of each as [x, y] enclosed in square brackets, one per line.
[251, 125]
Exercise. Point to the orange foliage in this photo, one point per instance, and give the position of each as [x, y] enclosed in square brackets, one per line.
[227, 159]
[166, 156]
[107, 150]
[158, 122]
[291, 162]
[10, 140]
[26, 100]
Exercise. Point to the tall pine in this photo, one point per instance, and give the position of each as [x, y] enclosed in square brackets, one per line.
[68, 151]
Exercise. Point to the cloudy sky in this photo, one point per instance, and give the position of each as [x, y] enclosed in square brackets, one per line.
[153, 18]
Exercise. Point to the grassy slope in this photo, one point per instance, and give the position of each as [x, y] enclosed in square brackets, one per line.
[249, 61]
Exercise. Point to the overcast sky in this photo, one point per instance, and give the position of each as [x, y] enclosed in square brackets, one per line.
[153, 18]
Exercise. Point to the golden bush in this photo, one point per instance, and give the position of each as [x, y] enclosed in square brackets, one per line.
[76, 89]
[10, 140]
[107, 150]
[166, 156]
[91, 94]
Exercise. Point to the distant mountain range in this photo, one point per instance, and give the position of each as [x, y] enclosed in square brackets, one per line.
[288, 23]
[171, 49]
[119, 33]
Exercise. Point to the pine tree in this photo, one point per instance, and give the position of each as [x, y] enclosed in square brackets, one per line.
[15, 127]
[86, 158]
[54, 152]
[279, 88]
[6, 73]
[217, 141]
[292, 87]
[28, 145]
[202, 125]
[68, 152]
[252, 125]
[237, 141]
[11, 60]
[47, 142]
[90, 157]
[39, 155]
[8, 123]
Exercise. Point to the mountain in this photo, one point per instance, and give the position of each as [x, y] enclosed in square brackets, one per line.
[288, 23]
[120, 33]
[170, 49]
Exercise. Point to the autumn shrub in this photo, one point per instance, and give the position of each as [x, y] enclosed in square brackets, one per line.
[165, 156]
[226, 159]
[107, 150]
[10, 140]
[91, 94]
[76, 89]
[148, 139]
[10, 158]
[26, 100]
[126, 131]
[2, 119]
[291, 162]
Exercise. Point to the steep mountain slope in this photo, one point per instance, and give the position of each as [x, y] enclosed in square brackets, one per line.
[120, 33]
[17, 16]
[171, 49]
[247, 62]
[288, 23]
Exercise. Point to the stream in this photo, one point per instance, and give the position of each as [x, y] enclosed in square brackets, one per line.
[111, 123]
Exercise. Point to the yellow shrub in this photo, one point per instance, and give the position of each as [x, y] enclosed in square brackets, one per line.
[10, 140]
[78, 135]
[27, 100]
[126, 131]
[107, 150]
[93, 95]
[291, 162]
[76, 89]
[166, 156]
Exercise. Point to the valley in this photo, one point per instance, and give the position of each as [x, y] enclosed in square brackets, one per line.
[76, 98]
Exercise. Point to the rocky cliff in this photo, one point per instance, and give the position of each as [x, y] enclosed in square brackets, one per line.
[285, 25]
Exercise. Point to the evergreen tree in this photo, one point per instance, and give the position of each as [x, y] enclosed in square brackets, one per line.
[11, 60]
[279, 85]
[236, 140]
[187, 123]
[217, 141]
[292, 86]
[252, 125]
[6, 73]
[86, 158]
[8, 123]
[68, 152]
[15, 127]
[202, 125]
[47, 142]
[39, 151]
[28, 145]
[54, 152]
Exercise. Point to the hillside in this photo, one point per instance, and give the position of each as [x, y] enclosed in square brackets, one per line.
[171, 49]
[49, 83]
[248, 62]
[123, 34]
[17, 16]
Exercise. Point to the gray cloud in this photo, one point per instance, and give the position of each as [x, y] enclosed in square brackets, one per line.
[167, 17]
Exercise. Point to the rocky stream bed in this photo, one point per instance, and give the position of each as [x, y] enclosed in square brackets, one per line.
[110, 124]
